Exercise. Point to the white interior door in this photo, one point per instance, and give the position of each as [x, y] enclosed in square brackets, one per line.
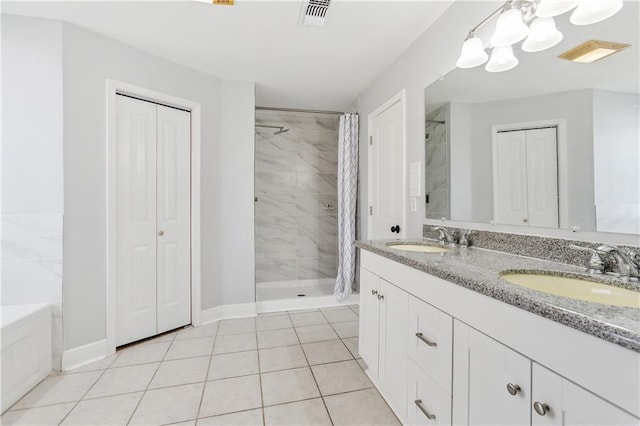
[386, 204]
[511, 178]
[153, 288]
[173, 215]
[135, 220]
[542, 177]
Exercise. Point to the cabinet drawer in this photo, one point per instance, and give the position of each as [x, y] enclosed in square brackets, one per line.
[431, 341]
[424, 392]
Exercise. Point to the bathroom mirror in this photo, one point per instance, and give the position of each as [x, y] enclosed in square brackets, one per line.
[551, 143]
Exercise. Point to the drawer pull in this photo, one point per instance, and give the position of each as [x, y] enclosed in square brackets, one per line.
[424, 339]
[380, 297]
[541, 408]
[424, 409]
[374, 292]
[513, 389]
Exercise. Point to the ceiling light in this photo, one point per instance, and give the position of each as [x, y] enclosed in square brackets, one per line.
[551, 8]
[502, 59]
[592, 11]
[472, 54]
[510, 29]
[592, 51]
[543, 34]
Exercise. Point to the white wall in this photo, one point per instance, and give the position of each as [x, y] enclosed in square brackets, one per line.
[616, 152]
[461, 165]
[226, 180]
[432, 55]
[32, 184]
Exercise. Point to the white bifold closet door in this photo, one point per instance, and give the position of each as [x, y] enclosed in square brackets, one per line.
[153, 278]
[526, 172]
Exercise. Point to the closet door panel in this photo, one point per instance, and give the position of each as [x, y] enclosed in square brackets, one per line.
[135, 270]
[173, 218]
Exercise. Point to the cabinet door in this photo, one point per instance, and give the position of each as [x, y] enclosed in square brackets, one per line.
[369, 320]
[392, 367]
[427, 403]
[482, 370]
[430, 340]
[569, 404]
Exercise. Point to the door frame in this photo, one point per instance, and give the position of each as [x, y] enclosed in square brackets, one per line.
[113, 88]
[398, 97]
[561, 143]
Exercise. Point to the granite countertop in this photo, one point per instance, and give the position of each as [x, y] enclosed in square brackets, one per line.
[479, 270]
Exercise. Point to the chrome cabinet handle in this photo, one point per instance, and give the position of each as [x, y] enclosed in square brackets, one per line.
[541, 408]
[380, 297]
[424, 410]
[374, 292]
[513, 389]
[424, 339]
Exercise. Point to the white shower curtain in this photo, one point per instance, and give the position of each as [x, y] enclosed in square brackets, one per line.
[347, 197]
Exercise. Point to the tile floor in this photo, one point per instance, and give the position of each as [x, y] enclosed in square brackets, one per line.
[287, 368]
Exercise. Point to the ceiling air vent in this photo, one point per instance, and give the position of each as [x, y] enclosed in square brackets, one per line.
[314, 12]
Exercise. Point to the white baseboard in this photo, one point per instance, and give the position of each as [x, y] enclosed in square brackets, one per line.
[304, 303]
[241, 310]
[82, 355]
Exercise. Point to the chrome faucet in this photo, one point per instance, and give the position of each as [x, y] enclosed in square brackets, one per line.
[595, 265]
[627, 265]
[445, 238]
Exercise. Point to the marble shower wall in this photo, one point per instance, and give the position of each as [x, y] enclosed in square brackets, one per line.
[296, 231]
[437, 165]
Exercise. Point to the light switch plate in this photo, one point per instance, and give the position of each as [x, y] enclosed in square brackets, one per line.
[414, 179]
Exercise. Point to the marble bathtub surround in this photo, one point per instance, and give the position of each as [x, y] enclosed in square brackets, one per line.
[296, 178]
[545, 248]
[479, 270]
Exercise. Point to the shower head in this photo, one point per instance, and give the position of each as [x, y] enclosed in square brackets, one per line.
[435, 122]
[281, 131]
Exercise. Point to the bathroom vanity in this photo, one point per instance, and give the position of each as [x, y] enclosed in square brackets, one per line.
[447, 341]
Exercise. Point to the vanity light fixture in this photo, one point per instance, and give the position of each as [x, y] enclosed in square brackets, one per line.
[531, 20]
[592, 51]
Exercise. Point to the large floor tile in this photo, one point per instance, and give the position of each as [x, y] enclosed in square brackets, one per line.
[190, 348]
[233, 365]
[346, 329]
[209, 330]
[327, 351]
[276, 338]
[340, 377]
[352, 344]
[181, 372]
[308, 318]
[102, 364]
[365, 407]
[237, 326]
[273, 322]
[123, 380]
[231, 395]
[142, 353]
[168, 405]
[281, 358]
[309, 412]
[59, 389]
[111, 410]
[279, 387]
[235, 343]
[243, 418]
[316, 333]
[339, 315]
[42, 416]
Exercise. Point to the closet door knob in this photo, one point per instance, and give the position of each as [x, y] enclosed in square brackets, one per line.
[161, 233]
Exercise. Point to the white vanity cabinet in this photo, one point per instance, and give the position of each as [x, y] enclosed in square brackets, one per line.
[557, 401]
[442, 354]
[383, 314]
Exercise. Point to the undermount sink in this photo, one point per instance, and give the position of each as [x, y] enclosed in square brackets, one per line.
[576, 288]
[419, 248]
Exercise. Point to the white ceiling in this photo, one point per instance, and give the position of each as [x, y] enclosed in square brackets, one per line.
[293, 66]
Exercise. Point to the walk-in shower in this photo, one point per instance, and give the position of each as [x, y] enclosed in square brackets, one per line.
[296, 231]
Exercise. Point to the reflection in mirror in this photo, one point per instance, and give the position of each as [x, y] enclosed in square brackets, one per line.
[550, 143]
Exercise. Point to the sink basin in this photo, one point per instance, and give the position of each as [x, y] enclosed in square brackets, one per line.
[576, 288]
[419, 248]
